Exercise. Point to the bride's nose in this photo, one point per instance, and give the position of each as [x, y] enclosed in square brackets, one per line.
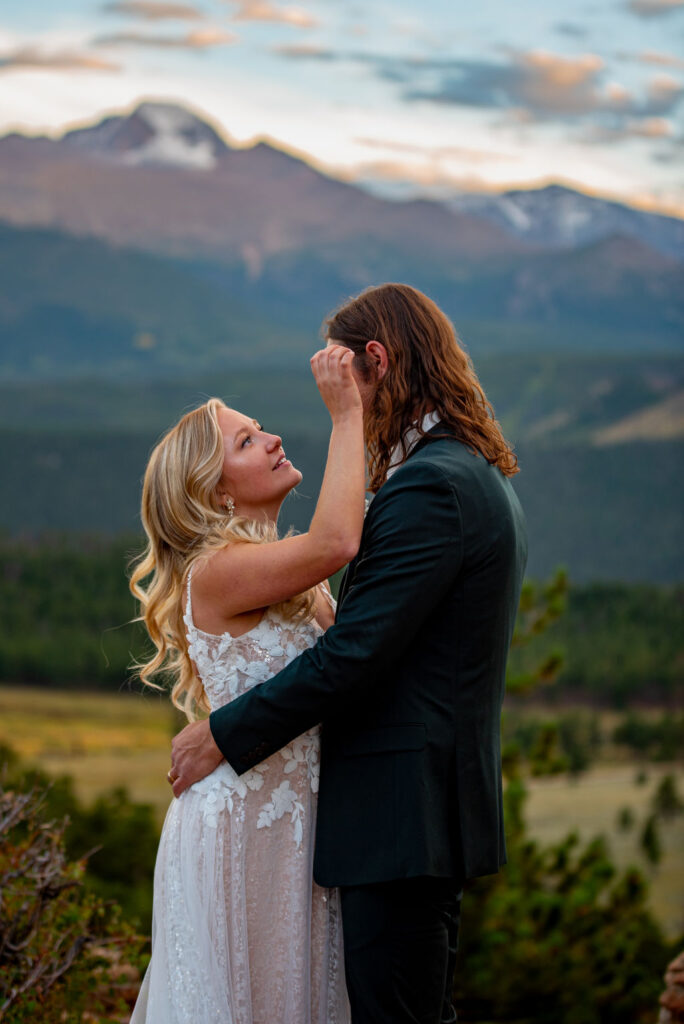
[274, 442]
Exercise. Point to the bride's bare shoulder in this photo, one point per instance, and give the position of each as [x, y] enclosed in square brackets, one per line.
[217, 602]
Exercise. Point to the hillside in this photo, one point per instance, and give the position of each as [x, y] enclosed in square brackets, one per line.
[612, 513]
[608, 511]
[547, 399]
[73, 306]
[70, 307]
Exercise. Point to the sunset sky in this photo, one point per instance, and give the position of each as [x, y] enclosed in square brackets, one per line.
[429, 95]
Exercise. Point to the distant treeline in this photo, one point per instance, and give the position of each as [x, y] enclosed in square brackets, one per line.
[67, 612]
[620, 643]
[67, 621]
[606, 511]
[585, 505]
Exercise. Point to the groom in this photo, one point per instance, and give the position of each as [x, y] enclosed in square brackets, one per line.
[408, 683]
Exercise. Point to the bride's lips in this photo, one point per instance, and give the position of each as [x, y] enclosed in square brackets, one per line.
[282, 461]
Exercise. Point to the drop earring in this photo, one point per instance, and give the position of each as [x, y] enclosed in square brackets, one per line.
[230, 507]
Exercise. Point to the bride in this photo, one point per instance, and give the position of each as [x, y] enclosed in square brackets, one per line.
[241, 934]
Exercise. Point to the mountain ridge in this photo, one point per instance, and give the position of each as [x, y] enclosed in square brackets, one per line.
[258, 196]
[161, 134]
[559, 217]
[264, 224]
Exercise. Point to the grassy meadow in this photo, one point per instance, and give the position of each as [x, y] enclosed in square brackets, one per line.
[591, 804]
[123, 739]
[101, 740]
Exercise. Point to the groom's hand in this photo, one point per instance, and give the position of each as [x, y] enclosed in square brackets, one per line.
[193, 755]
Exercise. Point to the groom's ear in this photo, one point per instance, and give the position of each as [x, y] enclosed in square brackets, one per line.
[378, 358]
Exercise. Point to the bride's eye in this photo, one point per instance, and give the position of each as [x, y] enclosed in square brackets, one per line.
[246, 439]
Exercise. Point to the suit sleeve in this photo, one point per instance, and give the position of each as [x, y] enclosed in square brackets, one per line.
[412, 552]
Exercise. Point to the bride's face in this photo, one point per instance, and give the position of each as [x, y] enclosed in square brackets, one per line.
[256, 474]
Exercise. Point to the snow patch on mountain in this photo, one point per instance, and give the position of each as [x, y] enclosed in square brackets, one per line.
[560, 218]
[154, 133]
[178, 138]
[517, 217]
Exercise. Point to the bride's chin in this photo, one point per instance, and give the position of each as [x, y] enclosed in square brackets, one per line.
[294, 478]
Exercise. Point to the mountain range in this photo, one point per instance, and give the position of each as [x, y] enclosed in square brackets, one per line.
[162, 180]
[555, 217]
[164, 135]
[256, 234]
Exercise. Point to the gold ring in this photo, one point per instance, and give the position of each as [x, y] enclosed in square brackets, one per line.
[171, 778]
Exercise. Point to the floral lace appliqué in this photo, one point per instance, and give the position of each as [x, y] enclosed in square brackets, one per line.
[219, 788]
[228, 666]
[304, 750]
[283, 800]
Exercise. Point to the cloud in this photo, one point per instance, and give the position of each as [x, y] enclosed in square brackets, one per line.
[304, 51]
[541, 82]
[653, 57]
[263, 10]
[465, 153]
[30, 57]
[651, 128]
[653, 8]
[538, 86]
[637, 128]
[202, 39]
[150, 10]
[528, 88]
[422, 176]
[567, 28]
[664, 93]
[566, 85]
[673, 155]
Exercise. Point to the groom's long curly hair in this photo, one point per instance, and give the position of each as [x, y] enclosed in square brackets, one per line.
[428, 369]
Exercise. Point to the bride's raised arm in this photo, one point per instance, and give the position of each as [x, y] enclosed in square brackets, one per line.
[243, 577]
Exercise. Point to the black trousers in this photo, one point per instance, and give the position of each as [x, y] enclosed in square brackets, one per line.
[400, 941]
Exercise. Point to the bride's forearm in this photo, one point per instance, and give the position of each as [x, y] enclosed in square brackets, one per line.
[338, 518]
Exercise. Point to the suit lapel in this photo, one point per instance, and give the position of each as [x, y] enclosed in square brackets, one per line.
[436, 433]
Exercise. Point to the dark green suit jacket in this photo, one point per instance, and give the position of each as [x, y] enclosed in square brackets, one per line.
[409, 681]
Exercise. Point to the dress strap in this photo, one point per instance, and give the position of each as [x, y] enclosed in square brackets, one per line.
[326, 590]
[188, 600]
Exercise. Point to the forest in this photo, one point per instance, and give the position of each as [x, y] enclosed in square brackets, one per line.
[69, 622]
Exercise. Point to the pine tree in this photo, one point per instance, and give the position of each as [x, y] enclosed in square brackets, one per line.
[666, 802]
[650, 841]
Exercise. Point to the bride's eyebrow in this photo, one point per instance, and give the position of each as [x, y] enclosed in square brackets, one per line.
[244, 430]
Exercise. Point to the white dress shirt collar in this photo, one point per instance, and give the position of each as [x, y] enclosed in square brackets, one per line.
[411, 438]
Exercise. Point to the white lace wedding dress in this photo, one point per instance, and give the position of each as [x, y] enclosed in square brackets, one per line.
[241, 934]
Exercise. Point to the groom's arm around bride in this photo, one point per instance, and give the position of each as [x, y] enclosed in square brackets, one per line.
[409, 681]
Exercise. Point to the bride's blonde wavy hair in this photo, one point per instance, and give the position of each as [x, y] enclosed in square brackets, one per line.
[185, 522]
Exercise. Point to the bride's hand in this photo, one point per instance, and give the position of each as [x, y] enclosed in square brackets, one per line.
[331, 368]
